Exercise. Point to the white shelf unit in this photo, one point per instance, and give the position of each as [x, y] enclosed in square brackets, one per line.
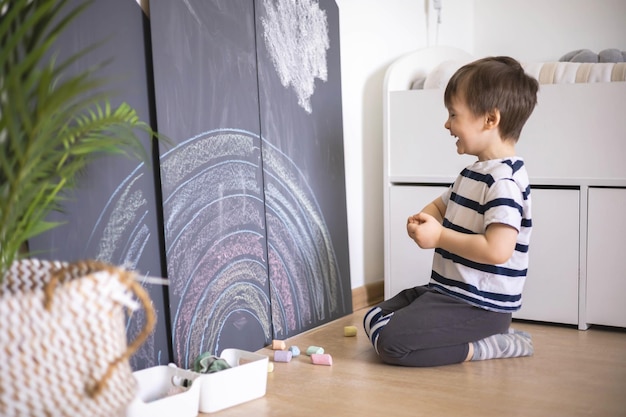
[574, 146]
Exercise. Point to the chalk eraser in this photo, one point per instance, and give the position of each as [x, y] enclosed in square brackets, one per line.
[278, 345]
[349, 331]
[295, 351]
[282, 356]
[321, 359]
[314, 349]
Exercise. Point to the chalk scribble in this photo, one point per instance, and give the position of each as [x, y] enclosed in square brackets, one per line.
[296, 36]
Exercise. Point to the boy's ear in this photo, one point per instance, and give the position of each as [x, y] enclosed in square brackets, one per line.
[492, 119]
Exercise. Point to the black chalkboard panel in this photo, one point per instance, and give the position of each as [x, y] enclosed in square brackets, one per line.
[303, 162]
[213, 204]
[112, 216]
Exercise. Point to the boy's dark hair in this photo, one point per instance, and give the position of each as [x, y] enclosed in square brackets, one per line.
[496, 83]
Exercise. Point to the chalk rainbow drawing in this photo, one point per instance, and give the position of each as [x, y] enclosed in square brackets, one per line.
[120, 236]
[235, 242]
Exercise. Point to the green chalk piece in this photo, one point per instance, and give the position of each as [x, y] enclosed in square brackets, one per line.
[314, 349]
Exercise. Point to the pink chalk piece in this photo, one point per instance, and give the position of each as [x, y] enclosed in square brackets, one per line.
[321, 359]
[282, 356]
[278, 345]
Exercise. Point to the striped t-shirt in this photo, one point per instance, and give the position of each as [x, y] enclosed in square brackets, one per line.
[494, 191]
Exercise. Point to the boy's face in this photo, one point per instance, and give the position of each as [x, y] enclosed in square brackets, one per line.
[469, 129]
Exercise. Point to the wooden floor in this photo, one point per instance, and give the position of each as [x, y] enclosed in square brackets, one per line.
[572, 373]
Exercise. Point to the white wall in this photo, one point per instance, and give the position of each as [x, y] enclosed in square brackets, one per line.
[544, 30]
[374, 33]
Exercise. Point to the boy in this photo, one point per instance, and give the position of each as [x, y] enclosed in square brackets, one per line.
[480, 229]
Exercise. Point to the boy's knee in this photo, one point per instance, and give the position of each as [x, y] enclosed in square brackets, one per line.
[387, 350]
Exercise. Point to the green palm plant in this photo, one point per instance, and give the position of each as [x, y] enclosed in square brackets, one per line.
[51, 124]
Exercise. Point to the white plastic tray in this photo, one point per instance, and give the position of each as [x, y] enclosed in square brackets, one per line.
[246, 380]
[152, 399]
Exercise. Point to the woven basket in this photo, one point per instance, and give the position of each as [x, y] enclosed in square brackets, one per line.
[63, 349]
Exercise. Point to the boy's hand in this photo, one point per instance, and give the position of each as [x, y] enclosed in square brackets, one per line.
[425, 230]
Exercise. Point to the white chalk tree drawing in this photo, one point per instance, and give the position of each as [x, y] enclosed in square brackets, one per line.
[296, 36]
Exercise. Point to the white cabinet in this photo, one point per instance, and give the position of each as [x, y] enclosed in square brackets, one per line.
[551, 289]
[606, 268]
[409, 265]
[577, 272]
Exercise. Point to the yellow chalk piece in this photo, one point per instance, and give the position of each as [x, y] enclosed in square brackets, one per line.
[278, 344]
[270, 367]
[349, 331]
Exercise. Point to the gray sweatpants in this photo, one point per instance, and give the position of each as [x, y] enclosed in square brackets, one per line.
[428, 328]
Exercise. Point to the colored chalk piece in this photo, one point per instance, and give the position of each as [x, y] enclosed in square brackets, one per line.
[349, 331]
[279, 345]
[321, 359]
[270, 367]
[282, 356]
[314, 349]
[295, 351]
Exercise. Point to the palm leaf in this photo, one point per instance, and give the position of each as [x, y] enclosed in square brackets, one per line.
[51, 124]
